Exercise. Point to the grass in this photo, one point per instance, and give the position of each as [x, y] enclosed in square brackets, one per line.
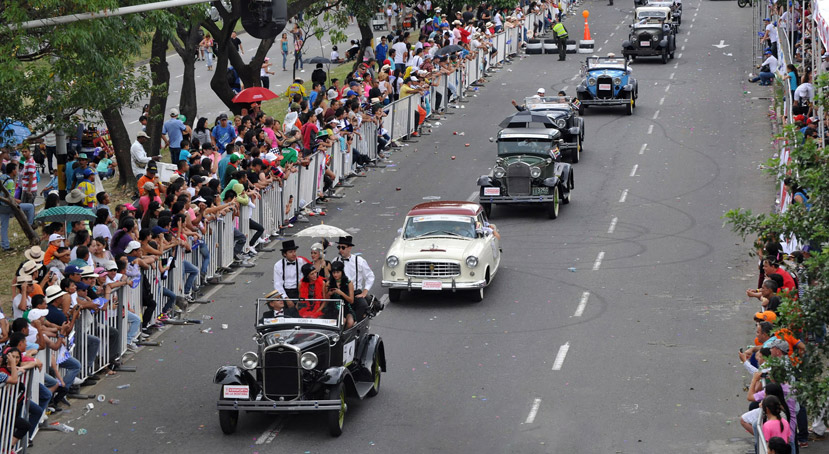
[278, 107]
[9, 261]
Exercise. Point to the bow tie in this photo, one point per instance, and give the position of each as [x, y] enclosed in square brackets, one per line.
[291, 263]
[345, 260]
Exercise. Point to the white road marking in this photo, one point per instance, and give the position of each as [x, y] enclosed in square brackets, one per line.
[583, 302]
[624, 196]
[599, 50]
[134, 122]
[179, 76]
[695, 14]
[612, 227]
[533, 411]
[682, 48]
[686, 40]
[661, 100]
[656, 115]
[642, 150]
[271, 432]
[691, 26]
[605, 41]
[565, 88]
[635, 168]
[671, 76]
[676, 65]
[562, 353]
[472, 197]
[667, 88]
[650, 129]
[574, 77]
[617, 27]
[598, 261]
[612, 33]
[679, 55]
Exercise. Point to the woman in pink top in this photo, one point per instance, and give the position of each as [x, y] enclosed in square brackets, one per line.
[775, 425]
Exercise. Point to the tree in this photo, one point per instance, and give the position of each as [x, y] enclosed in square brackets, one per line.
[807, 315]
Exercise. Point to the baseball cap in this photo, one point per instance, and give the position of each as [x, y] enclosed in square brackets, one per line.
[223, 116]
[542, 91]
[414, 79]
[766, 19]
[149, 185]
[766, 316]
[351, 93]
[133, 245]
[781, 344]
[81, 286]
[88, 172]
[56, 237]
[130, 207]
[159, 230]
[767, 52]
[332, 94]
[72, 269]
[36, 314]
[174, 112]
[235, 158]
[142, 134]
[100, 270]
[110, 265]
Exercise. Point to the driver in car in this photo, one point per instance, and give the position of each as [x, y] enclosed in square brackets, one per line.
[277, 310]
[538, 97]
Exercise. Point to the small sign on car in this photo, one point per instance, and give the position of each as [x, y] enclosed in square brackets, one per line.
[236, 392]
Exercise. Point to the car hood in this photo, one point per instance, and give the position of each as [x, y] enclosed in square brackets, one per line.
[532, 160]
[433, 248]
[607, 72]
[303, 338]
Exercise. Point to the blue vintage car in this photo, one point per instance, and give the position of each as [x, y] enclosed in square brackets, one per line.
[607, 82]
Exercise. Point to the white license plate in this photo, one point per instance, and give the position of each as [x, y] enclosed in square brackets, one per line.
[645, 43]
[604, 87]
[492, 191]
[432, 285]
[236, 392]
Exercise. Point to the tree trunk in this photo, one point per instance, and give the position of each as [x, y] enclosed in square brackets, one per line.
[366, 35]
[160, 77]
[249, 73]
[121, 144]
[219, 80]
[188, 104]
[20, 216]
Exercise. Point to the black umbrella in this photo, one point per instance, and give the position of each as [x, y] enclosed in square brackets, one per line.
[448, 50]
[322, 60]
[522, 118]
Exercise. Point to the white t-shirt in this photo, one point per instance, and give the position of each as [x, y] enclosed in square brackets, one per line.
[804, 92]
[399, 49]
[101, 230]
[772, 32]
[16, 312]
[335, 55]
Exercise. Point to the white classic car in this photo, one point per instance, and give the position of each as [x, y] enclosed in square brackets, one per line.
[443, 246]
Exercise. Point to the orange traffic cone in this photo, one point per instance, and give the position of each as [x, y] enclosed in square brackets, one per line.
[587, 37]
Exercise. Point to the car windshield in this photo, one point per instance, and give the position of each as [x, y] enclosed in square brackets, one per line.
[439, 225]
[606, 63]
[651, 14]
[650, 29]
[277, 312]
[524, 145]
[549, 103]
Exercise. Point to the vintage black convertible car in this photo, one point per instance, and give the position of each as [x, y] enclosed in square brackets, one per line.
[650, 40]
[305, 361]
[558, 112]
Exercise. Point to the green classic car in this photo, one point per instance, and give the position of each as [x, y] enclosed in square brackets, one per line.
[528, 171]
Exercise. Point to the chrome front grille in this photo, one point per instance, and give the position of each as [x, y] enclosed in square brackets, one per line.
[604, 80]
[645, 37]
[281, 373]
[518, 179]
[433, 269]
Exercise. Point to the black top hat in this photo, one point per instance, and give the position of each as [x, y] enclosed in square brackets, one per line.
[289, 245]
[346, 240]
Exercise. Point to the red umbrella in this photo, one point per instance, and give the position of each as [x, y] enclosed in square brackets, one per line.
[254, 94]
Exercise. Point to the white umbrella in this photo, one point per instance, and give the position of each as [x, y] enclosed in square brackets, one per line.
[322, 231]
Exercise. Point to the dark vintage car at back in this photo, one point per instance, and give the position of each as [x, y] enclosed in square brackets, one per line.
[303, 362]
[565, 118]
[650, 40]
[607, 82]
[528, 171]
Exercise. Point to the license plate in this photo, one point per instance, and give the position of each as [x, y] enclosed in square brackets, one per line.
[540, 191]
[645, 43]
[492, 191]
[236, 392]
[604, 87]
[432, 285]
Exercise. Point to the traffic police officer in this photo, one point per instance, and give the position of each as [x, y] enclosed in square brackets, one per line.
[561, 37]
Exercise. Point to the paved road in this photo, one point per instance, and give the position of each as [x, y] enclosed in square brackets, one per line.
[648, 364]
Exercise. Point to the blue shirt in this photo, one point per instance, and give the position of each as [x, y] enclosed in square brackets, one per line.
[380, 52]
[184, 155]
[173, 129]
[792, 81]
[312, 97]
[223, 136]
[223, 166]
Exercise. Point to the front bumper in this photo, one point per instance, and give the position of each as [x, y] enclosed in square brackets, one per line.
[516, 199]
[276, 407]
[644, 52]
[605, 102]
[412, 284]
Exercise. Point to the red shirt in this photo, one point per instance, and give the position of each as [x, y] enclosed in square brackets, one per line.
[309, 132]
[788, 281]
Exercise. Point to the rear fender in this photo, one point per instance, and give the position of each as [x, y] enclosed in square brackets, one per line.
[575, 131]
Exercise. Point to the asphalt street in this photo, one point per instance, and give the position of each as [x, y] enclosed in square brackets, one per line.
[634, 351]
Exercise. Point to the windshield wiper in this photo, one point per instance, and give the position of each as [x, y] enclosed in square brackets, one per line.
[438, 231]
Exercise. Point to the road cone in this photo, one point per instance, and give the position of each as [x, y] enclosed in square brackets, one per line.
[586, 44]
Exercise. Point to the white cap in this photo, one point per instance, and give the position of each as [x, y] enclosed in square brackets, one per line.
[173, 112]
[414, 79]
[133, 245]
[332, 94]
[56, 237]
[542, 91]
[36, 314]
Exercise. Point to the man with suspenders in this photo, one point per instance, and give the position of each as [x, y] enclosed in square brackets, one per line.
[286, 272]
[358, 271]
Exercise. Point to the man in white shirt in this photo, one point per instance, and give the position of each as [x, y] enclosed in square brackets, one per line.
[803, 96]
[401, 52]
[767, 69]
[770, 36]
[138, 155]
[286, 273]
[358, 272]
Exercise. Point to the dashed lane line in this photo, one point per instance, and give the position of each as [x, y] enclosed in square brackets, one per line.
[635, 168]
[661, 100]
[642, 150]
[612, 227]
[533, 411]
[650, 129]
[583, 301]
[472, 197]
[656, 115]
[624, 196]
[562, 353]
[598, 263]
[671, 76]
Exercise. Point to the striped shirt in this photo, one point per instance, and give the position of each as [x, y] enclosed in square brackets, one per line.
[28, 178]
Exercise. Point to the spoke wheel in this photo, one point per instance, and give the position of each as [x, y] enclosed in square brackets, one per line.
[376, 371]
[336, 418]
[552, 207]
[576, 156]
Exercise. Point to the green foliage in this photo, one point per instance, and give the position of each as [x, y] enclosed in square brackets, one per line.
[71, 69]
[807, 315]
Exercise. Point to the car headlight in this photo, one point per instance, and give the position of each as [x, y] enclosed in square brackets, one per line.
[250, 360]
[308, 360]
[472, 261]
[535, 172]
[561, 123]
[633, 39]
[591, 81]
[499, 172]
[655, 38]
[617, 81]
[392, 261]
